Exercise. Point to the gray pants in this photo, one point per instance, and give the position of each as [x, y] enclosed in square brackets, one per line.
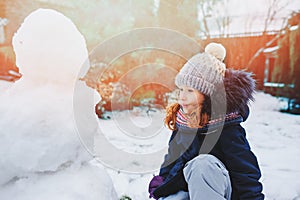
[207, 179]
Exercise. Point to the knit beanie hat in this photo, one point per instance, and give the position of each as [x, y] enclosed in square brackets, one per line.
[204, 70]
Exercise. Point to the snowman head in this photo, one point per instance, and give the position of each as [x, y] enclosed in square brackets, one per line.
[49, 48]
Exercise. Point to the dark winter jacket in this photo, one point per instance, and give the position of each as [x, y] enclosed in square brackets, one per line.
[225, 140]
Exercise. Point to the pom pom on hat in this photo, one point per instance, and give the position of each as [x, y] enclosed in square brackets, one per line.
[216, 50]
[204, 70]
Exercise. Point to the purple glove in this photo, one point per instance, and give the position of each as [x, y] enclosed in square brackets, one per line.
[154, 183]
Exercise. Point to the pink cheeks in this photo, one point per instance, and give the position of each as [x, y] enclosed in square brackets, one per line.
[190, 99]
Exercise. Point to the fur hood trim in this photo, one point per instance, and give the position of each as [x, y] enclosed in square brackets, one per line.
[239, 88]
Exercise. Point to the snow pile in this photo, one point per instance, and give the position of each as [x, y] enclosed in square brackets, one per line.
[86, 182]
[41, 155]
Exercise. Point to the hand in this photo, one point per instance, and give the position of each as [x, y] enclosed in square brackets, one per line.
[172, 186]
[154, 183]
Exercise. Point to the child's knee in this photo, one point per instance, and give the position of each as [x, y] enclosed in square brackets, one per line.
[206, 171]
[203, 161]
[204, 164]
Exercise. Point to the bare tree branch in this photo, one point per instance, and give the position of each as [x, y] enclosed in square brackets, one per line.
[273, 10]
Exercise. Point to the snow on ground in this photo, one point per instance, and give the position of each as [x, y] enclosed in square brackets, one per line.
[4, 85]
[273, 136]
[73, 183]
[131, 177]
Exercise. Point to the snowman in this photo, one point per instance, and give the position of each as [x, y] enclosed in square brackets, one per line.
[43, 152]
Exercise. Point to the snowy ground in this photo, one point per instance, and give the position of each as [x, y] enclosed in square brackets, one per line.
[273, 136]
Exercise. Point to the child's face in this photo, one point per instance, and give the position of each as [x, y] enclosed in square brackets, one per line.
[190, 99]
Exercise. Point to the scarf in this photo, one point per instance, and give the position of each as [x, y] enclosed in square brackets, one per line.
[181, 119]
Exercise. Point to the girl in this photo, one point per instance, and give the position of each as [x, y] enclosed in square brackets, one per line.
[209, 156]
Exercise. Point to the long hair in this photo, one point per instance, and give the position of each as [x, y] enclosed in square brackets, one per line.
[196, 119]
